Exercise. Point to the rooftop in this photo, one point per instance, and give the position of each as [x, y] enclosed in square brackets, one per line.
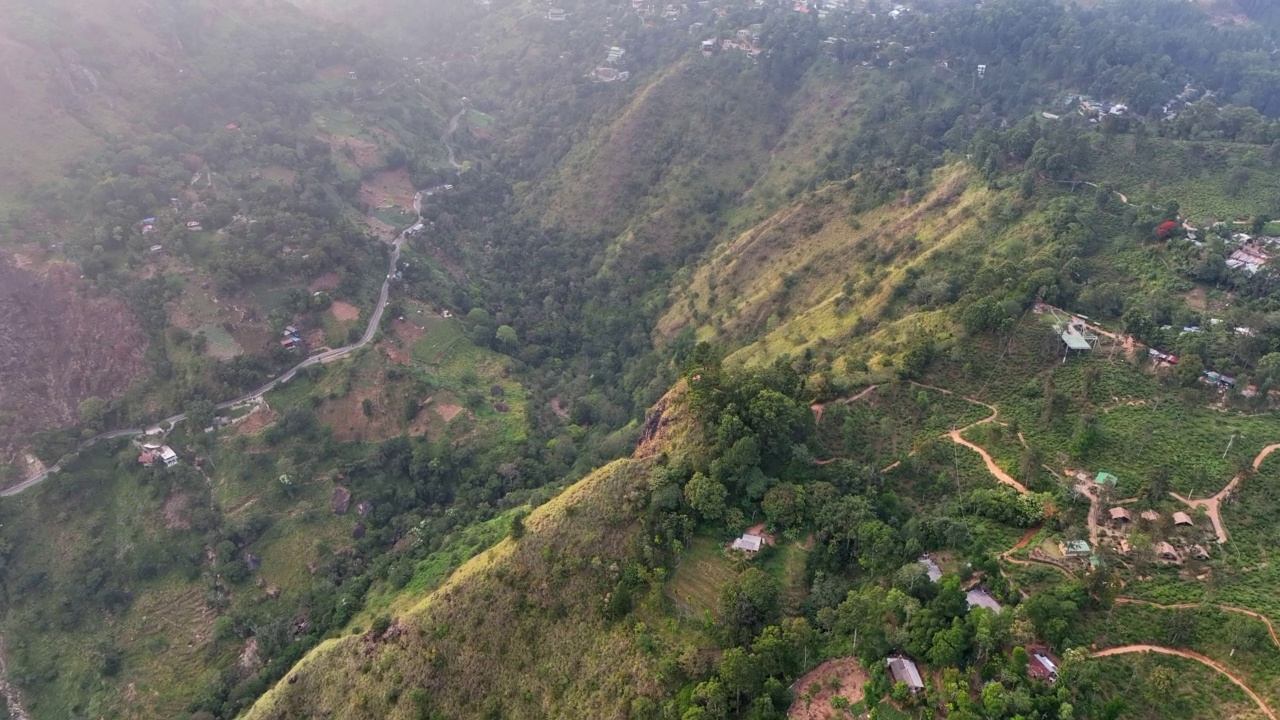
[749, 543]
[904, 670]
[978, 597]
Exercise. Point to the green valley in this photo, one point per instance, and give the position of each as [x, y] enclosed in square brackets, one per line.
[494, 359]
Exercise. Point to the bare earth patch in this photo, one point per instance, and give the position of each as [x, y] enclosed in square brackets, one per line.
[316, 340]
[334, 72]
[282, 175]
[850, 676]
[448, 412]
[388, 188]
[408, 332]
[559, 408]
[361, 152]
[324, 283]
[174, 509]
[256, 422]
[345, 312]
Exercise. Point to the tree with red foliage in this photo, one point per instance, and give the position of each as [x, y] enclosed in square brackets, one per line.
[1165, 229]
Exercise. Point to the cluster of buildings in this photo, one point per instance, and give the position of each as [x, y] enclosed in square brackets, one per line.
[608, 72]
[1116, 521]
[1250, 253]
[902, 669]
[148, 224]
[746, 40]
[153, 455]
[292, 340]
[1218, 379]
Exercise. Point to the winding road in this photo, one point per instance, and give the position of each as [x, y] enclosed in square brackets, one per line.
[171, 421]
[1192, 606]
[958, 438]
[325, 357]
[1130, 649]
[453, 126]
[1212, 505]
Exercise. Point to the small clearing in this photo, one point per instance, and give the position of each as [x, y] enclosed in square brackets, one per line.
[408, 332]
[277, 173]
[334, 72]
[447, 411]
[256, 421]
[174, 512]
[842, 676]
[325, 283]
[344, 311]
[362, 152]
[388, 189]
[758, 530]
[559, 408]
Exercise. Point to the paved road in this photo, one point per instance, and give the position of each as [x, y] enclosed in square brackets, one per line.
[453, 126]
[324, 357]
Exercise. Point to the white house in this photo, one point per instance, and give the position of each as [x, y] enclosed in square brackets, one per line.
[748, 543]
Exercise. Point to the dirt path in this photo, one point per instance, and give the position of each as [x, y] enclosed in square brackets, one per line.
[818, 408]
[1191, 606]
[1086, 488]
[1007, 555]
[1130, 649]
[1212, 505]
[957, 437]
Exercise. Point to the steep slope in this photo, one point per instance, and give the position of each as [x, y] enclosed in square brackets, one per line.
[521, 631]
[815, 274]
[60, 343]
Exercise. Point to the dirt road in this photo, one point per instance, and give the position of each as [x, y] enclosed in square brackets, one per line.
[1130, 649]
[1007, 555]
[1212, 505]
[957, 437]
[1087, 489]
[1192, 606]
[818, 408]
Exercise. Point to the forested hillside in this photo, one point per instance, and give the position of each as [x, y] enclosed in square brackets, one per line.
[736, 361]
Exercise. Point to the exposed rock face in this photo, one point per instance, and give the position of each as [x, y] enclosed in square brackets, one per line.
[58, 346]
[341, 500]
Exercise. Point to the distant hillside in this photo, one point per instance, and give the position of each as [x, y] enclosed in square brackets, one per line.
[75, 72]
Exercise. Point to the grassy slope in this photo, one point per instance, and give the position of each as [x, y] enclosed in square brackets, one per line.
[816, 246]
[517, 632]
[649, 174]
